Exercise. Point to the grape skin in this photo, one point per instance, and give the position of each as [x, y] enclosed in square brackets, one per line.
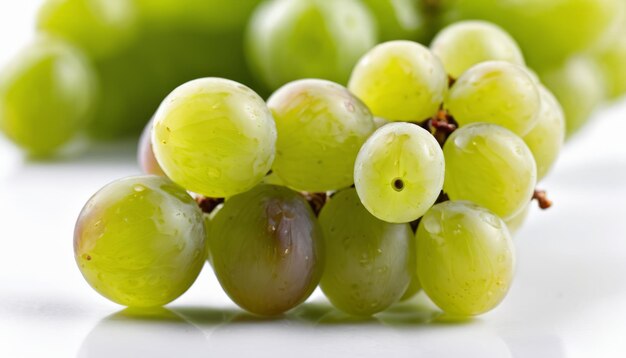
[398, 19]
[611, 61]
[414, 286]
[400, 81]
[490, 166]
[465, 258]
[289, 40]
[321, 127]
[214, 137]
[579, 88]
[272, 179]
[145, 154]
[515, 223]
[464, 44]
[379, 122]
[549, 32]
[369, 262]
[546, 138]
[399, 172]
[213, 16]
[140, 241]
[47, 94]
[496, 92]
[267, 249]
[101, 28]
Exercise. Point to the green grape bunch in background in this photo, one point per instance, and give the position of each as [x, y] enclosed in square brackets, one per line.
[134, 52]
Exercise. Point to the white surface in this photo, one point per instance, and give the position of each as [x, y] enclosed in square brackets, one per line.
[568, 299]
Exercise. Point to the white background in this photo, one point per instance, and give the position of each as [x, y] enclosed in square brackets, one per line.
[568, 299]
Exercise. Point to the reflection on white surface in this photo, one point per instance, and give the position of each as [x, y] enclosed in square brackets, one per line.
[343, 337]
[155, 333]
[313, 330]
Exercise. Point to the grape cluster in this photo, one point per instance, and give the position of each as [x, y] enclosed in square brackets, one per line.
[413, 176]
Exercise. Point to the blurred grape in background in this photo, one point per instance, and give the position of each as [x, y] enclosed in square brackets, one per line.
[289, 40]
[129, 54]
[47, 95]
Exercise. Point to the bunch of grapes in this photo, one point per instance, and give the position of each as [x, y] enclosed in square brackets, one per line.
[414, 176]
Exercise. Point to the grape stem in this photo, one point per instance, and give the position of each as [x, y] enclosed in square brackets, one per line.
[316, 200]
[208, 204]
[451, 81]
[542, 199]
[441, 125]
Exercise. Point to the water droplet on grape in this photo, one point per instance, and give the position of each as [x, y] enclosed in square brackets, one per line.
[431, 224]
[214, 173]
[491, 220]
[349, 106]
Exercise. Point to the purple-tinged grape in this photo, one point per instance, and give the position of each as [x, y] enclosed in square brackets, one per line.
[266, 248]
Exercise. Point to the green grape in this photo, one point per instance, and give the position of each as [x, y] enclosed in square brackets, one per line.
[579, 88]
[99, 27]
[546, 138]
[266, 247]
[399, 172]
[145, 154]
[321, 127]
[214, 137]
[203, 15]
[465, 44]
[140, 241]
[414, 286]
[369, 262]
[611, 62]
[465, 258]
[490, 166]
[400, 81]
[272, 179]
[548, 31]
[516, 222]
[496, 92]
[292, 39]
[379, 122]
[398, 19]
[46, 96]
